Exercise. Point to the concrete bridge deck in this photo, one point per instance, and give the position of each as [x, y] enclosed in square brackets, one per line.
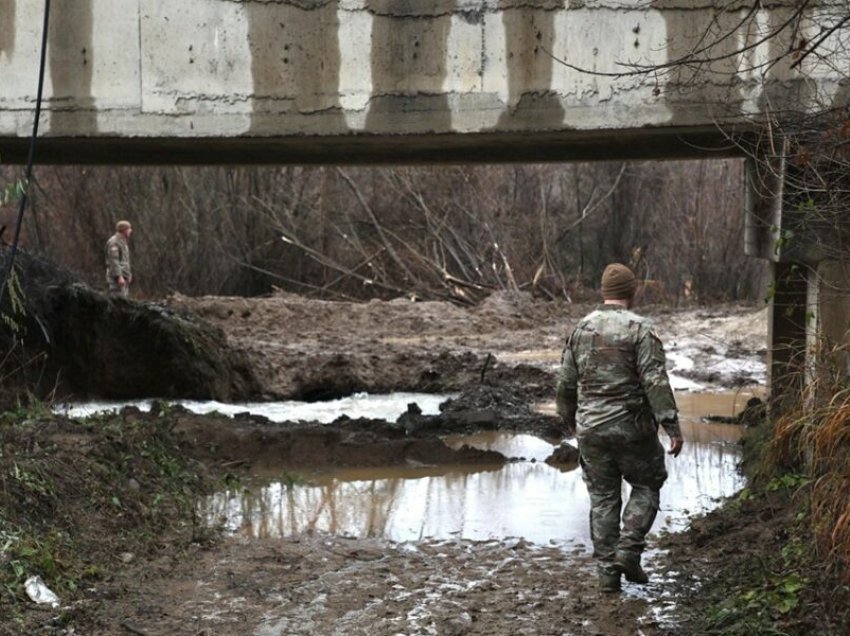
[318, 81]
[667, 143]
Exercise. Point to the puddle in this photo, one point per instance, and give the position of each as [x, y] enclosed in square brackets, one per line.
[526, 499]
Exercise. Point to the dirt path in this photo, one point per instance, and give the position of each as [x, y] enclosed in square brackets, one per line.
[331, 585]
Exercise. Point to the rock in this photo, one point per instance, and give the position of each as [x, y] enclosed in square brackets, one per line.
[564, 455]
[412, 419]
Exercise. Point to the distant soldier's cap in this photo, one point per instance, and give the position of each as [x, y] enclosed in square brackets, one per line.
[618, 282]
[122, 225]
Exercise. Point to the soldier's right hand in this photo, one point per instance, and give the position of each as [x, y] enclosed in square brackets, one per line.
[676, 444]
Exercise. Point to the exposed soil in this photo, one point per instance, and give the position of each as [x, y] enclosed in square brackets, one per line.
[308, 349]
[500, 355]
[64, 338]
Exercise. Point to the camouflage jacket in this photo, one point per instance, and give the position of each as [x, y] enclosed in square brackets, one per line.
[117, 258]
[613, 371]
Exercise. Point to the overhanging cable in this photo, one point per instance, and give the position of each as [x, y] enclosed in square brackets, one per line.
[10, 260]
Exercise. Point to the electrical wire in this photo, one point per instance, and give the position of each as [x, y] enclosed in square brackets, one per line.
[10, 260]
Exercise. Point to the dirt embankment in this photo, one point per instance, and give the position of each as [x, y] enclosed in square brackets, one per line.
[308, 349]
[64, 338]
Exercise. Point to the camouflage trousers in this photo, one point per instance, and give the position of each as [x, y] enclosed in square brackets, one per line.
[607, 458]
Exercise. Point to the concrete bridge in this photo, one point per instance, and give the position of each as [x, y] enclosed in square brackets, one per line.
[376, 81]
[199, 81]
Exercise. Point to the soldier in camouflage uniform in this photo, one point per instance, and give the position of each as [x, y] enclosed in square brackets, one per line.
[613, 392]
[118, 274]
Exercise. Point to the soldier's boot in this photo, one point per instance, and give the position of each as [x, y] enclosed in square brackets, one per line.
[629, 565]
[609, 582]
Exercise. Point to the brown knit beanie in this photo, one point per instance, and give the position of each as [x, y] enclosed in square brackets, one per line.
[618, 282]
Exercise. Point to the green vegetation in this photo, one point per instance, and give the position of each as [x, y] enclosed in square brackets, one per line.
[11, 192]
[817, 442]
[14, 318]
[74, 496]
[771, 590]
[784, 562]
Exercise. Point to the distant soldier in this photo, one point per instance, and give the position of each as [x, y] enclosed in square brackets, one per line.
[118, 274]
[613, 392]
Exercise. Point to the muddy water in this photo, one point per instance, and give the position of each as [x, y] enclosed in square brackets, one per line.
[388, 407]
[526, 498]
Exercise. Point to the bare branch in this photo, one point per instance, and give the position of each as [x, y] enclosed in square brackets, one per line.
[699, 56]
[591, 207]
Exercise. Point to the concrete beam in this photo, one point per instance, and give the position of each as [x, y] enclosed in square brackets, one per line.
[493, 147]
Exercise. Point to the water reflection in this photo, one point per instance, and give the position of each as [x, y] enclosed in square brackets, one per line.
[528, 499]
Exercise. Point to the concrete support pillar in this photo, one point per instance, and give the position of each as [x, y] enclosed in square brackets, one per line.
[828, 342]
[787, 335]
[802, 232]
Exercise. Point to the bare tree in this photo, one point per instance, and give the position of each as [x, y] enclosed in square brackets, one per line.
[454, 232]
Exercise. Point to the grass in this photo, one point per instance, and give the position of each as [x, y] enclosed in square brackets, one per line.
[73, 495]
[817, 442]
[778, 554]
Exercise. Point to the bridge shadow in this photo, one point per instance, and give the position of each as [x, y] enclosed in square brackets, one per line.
[7, 26]
[409, 65]
[295, 65]
[688, 90]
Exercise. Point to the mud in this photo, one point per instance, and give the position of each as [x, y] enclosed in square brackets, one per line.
[308, 349]
[253, 444]
[331, 585]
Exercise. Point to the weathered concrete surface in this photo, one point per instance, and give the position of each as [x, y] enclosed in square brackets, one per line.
[376, 80]
[828, 328]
